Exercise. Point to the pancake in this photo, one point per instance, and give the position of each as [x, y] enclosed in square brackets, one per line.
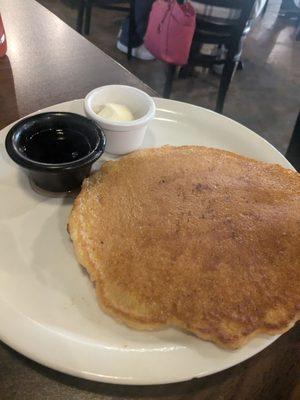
[192, 237]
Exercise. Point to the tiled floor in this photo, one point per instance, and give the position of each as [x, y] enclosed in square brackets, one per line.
[264, 97]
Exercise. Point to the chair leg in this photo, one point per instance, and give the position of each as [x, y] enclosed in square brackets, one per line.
[185, 71]
[265, 8]
[80, 14]
[88, 13]
[228, 71]
[293, 151]
[240, 65]
[169, 81]
[131, 28]
[297, 34]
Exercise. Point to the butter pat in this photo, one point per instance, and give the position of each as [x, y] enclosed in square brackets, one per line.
[115, 112]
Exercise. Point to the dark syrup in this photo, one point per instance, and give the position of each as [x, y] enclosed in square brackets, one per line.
[55, 146]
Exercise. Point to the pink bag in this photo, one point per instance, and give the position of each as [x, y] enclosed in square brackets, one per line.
[170, 31]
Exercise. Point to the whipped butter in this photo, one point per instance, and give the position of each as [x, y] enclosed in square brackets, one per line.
[115, 112]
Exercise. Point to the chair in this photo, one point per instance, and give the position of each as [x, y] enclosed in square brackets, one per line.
[85, 12]
[211, 31]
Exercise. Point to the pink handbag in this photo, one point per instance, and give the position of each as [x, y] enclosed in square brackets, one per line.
[170, 31]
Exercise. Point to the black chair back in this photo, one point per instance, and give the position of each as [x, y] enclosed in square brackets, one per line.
[211, 29]
[215, 30]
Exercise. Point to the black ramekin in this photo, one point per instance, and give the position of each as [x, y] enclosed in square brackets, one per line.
[56, 177]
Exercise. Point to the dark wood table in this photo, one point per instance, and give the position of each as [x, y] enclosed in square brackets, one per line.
[49, 63]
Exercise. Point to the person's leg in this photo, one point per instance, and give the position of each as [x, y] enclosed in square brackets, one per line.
[142, 12]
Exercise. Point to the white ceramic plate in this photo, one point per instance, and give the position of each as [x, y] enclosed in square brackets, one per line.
[48, 308]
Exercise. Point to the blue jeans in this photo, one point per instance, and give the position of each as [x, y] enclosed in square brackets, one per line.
[142, 12]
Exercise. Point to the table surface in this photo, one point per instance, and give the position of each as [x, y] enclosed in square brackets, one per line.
[48, 63]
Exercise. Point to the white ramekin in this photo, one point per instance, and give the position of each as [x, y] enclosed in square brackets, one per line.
[122, 136]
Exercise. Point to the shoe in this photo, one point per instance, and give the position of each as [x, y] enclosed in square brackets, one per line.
[143, 53]
[218, 69]
[140, 52]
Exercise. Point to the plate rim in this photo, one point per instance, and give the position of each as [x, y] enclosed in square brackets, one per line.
[41, 358]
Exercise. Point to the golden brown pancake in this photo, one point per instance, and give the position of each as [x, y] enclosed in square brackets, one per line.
[193, 237]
